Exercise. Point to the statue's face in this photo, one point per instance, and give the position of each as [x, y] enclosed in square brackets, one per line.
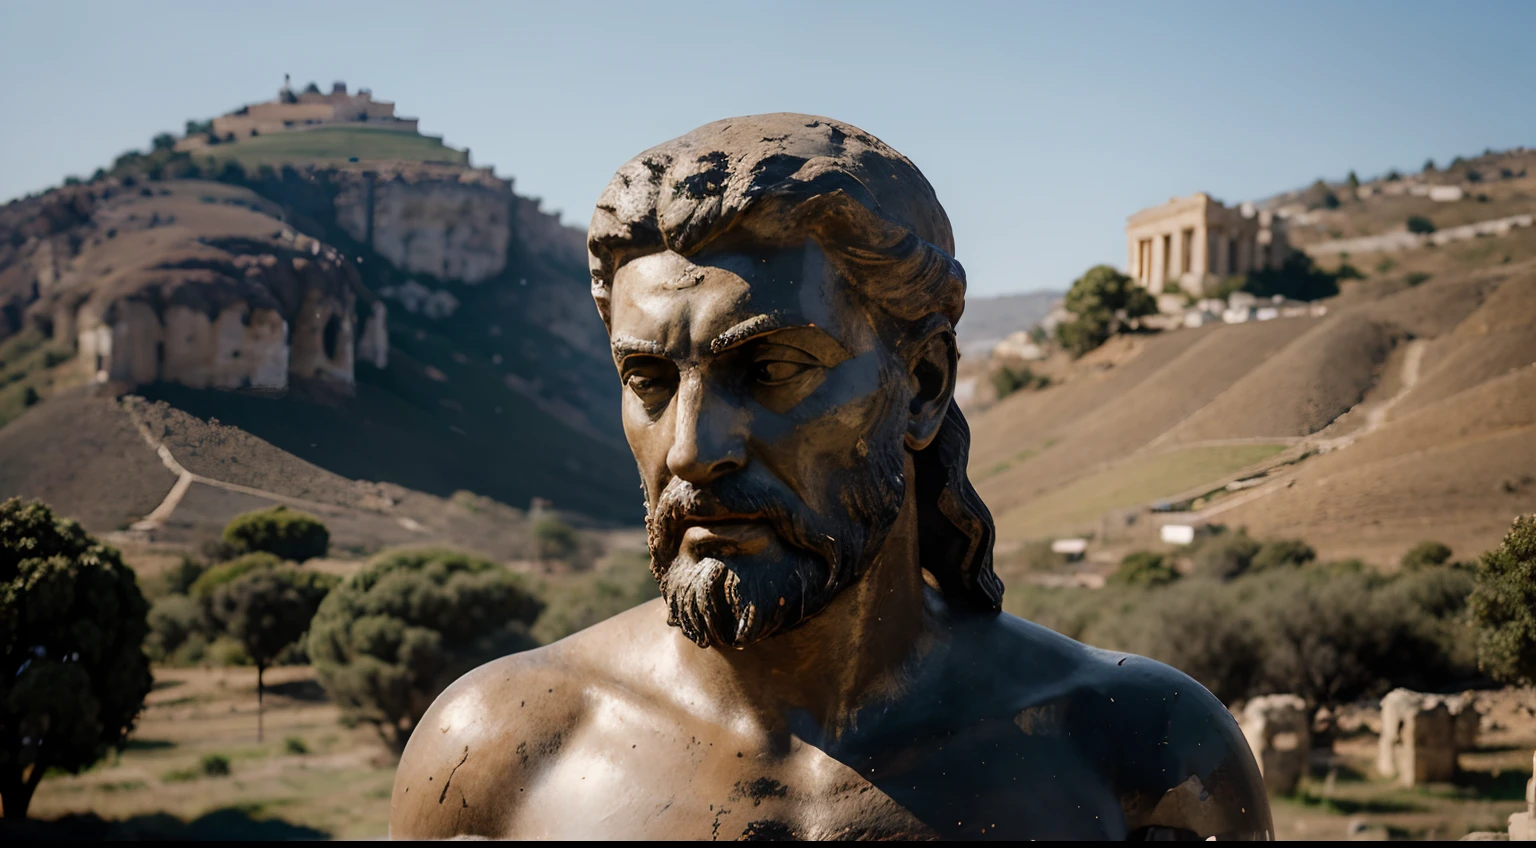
[766, 411]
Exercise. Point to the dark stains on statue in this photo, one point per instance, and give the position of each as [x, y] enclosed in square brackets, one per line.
[759, 789]
[767, 831]
[708, 182]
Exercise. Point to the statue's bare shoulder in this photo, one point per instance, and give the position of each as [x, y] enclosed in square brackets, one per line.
[497, 727]
[1178, 756]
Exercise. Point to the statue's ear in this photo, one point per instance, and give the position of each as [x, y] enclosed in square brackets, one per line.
[932, 362]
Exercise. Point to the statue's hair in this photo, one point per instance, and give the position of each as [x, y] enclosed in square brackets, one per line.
[781, 179]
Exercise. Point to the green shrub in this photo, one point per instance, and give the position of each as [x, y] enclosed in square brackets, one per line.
[1420, 225]
[576, 603]
[1425, 555]
[387, 641]
[176, 580]
[1006, 380]
[1282, 553]
[1330, 635]
[1144, 568]
[554, 538]
[1196, 626]
[266, 610]
[1098, 300]
[1225, 555]
[286, 533]
[1504, 605]
[226, 651]
[295, 745]
[173, 620]
[215, 765]
[1297, 278]
[1416, 278]
[72, 665]
[211, 579]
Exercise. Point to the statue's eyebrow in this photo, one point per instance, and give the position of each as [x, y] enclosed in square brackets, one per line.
[754, 326]
[626, 345]
[813, 339]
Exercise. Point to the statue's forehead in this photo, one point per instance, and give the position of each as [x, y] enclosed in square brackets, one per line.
[665, 296]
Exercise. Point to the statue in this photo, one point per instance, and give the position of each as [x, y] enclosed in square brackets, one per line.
[828, 659]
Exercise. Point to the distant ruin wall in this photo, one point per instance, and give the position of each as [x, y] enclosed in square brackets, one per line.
[541, 233]
[450, 230]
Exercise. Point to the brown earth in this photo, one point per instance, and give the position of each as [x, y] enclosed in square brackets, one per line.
[1419, 398]
[84, 455]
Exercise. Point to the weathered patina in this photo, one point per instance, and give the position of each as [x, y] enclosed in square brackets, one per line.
[828, 659]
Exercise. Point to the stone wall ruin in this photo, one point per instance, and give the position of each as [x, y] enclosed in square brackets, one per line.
[1279, 732]
[1422, 734]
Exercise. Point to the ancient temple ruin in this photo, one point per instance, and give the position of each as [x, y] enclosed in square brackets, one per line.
[1194, 242]
[289, 111]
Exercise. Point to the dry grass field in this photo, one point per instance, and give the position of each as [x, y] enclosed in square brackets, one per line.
[309, 778]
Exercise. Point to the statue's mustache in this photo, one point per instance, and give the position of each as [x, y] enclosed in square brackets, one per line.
[732, 499]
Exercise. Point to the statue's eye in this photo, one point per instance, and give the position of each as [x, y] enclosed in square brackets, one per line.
[652, 379]
[773, 372]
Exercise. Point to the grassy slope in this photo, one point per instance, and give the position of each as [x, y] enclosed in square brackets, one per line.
[336, 145]
[30, 361]
[1077, 506]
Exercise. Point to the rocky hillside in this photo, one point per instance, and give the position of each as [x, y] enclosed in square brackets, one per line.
[410, 323]
[1402, 414]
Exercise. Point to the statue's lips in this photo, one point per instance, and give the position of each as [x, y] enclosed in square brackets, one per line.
[737, 535]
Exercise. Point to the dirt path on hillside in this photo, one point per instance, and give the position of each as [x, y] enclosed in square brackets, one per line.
[184, 480]
[1375, 417]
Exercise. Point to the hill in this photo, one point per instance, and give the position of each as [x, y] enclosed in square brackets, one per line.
[1403, 414]
[355, 301]
[989, 320]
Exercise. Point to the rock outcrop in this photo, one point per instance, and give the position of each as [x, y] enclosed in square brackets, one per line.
[188, 282]
[448, 222]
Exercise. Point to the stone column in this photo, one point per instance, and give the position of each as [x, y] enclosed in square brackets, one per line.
[1279, 732]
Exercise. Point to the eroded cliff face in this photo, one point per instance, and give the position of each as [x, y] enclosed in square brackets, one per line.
[189, 282]
[449, 222]
[425, 222]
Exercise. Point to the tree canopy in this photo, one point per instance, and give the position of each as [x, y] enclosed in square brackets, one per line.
[1504, 605]
[266, 610]
[387, 641]
[73, 674]
[1101, 299]
[283, 532]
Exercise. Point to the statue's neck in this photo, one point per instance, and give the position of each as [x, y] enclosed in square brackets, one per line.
[856, 653]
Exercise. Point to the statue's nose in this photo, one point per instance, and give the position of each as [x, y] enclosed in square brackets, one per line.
[709, 441]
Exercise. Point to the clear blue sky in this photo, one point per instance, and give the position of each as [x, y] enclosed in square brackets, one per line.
[1041, 125]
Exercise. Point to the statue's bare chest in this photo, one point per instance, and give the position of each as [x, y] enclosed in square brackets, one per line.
[618, 781]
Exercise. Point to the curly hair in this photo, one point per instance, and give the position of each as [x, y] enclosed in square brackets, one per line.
[783, 178]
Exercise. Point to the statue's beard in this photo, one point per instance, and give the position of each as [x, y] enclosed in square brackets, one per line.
[736, 601]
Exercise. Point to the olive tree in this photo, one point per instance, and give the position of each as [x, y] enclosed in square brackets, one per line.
[280, 531]
[73, 674]
[1504, 605]
[267, 610]
[1100, 300]
[390, 638]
